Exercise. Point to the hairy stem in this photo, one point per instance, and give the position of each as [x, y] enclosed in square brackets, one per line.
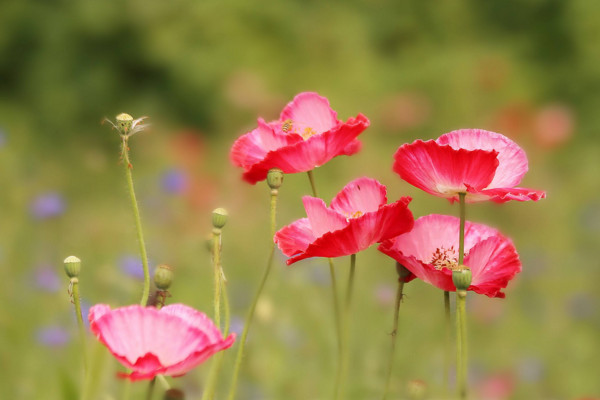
[138, 222]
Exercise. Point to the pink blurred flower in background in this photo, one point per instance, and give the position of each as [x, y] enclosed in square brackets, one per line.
[485, 165]
[170, 341]
[358, 217]
[430, 252]
[307, 135]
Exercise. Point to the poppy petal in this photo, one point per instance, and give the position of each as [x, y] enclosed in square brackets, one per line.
[364, 195]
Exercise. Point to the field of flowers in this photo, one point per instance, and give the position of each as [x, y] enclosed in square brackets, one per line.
[399, 75]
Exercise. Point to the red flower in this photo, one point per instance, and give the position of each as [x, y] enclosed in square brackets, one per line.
[430, 250]
[306, 136]
[485, 165]
[170, 341]
[357, 218]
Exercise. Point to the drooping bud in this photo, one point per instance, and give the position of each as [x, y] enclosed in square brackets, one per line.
[461, 278]
[275, 178]
[163, 277]
[124, 122]
[72, 266]
[219, 217]
[174, 394]
[403, 272]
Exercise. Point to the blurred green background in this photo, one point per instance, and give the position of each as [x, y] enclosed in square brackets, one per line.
[203, 71]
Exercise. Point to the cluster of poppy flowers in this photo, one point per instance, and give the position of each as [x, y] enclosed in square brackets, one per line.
[484, 165]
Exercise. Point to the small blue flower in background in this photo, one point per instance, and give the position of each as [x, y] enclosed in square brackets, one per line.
[46, 278]
[52, 336]
[47, 205]
[174, 181]
[236, 325]
[132, 265]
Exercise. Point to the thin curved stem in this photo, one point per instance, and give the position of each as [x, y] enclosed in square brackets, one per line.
[339, 389]
[394, 336]
[217, 275]
[311, 178]
[448, 344]
[138, 222]
[461, 295]
[150, 388]
[81, 328]
[250, 315]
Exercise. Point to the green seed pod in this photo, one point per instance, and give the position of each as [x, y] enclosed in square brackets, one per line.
[219, 217]
[462, 278]
[403, 273]
[174, 394]
[275, 178]
[163, 276]
[124, 122]
[72, 266]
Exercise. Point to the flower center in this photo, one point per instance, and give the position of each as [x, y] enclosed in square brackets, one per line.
[288, 127]
[445, 258]
[353, 215]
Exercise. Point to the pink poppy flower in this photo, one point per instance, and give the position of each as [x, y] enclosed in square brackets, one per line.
[306, 136]
[483, 164]
[170, 341]
[357, 218]
[430, 251]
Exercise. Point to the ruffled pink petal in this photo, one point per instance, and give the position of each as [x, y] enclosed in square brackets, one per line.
[442, 170]
[311, 153]
[512, 159]
[311, 111]
[294, 238]
[321, 218]
[200, 356]
[493, 263]
[502, 195]
[360, 233]
[150, 341]
[252, 147]
[436, 231]
[363, 194]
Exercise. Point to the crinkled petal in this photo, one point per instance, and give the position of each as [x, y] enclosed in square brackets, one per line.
[493, 263]
[442, 170]
[512, 159]
[426, 272]
[363, 194]
[502, 195]
[295, 238]
[310, 111]
[360, 233]
[150, 341]
[321, 218]
[252, 147]
[311, 153]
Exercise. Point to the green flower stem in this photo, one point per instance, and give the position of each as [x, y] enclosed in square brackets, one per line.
[311, 178]
[150, 389]
[77, 302]
[217, 275]
[138, 222]
[340, 384]
[448, 344]
[394, 336]
[461, 333]
[211, 383]
[461, 238]
[163, 382]
[250, 315]
[461, 343]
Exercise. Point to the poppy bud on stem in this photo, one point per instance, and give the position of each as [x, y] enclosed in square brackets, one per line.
[163, 277]
[274, 180]
[72, 269]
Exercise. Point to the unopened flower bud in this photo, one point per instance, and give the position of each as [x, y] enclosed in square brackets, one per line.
[163, 276]
[462, 278]
[403, 273]
[174, 394]
[275, 178]
[72, 266]
[219, 217]
[124, 122]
